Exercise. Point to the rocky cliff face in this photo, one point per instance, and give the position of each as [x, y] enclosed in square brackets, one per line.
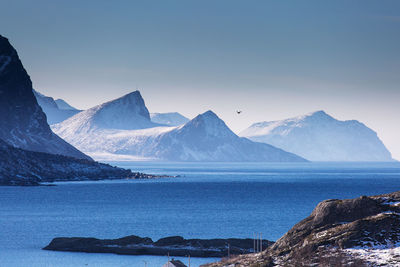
[22, 122]
[332, 228]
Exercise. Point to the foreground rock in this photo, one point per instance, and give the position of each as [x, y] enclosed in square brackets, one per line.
[174, 246]
[329, 234]
[23, 167]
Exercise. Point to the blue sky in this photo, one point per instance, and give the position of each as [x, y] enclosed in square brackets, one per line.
[272, 59]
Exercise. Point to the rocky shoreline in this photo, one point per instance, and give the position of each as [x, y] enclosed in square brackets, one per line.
[329, 235]
[173, 246]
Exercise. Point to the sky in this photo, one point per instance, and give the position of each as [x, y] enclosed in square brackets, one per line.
[270, 59]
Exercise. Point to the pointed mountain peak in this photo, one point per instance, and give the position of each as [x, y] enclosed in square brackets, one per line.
[208, 117]
[128, 112]
[210, 123]
[209, 114]
[131, 104]
[132, 96]
[318, 114]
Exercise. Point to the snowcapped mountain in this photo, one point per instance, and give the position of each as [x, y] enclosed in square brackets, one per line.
[128, 112]
[52, 109]
[205, 138]
[169, 119]
[319, 137]
[22, 121]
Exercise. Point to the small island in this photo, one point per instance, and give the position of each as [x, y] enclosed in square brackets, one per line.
[173, 246]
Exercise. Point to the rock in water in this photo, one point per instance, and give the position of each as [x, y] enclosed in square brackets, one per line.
[22, 122]
[173, 246]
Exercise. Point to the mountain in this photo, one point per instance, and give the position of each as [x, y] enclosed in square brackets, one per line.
[319, 137]
[98, 131]
[125, 113]
[22, 122]
[52, 109]
[207, 138]
[169, 119]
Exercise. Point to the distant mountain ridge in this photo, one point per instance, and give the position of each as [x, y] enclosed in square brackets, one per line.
[205, 138]
[169, 119]
[56, 110]
[22, 121]
[318, 136]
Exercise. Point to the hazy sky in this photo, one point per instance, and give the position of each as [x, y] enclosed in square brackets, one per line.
[271, 59]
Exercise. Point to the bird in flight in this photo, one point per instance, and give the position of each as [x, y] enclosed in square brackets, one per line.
[238, 111]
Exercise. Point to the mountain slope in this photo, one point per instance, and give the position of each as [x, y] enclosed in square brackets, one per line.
[205, 138]
[52, 109]
[61, 104]
[22, 121]
[169, 119]
[319, 137]
[23, 167]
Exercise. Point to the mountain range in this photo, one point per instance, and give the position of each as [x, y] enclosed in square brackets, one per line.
[318, 136]
[123, 127]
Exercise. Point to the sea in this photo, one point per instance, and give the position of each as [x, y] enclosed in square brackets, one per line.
[205, 200]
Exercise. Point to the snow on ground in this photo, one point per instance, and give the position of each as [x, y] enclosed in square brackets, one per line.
[377, 256]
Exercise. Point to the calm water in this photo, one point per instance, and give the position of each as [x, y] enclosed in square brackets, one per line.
[209, 200]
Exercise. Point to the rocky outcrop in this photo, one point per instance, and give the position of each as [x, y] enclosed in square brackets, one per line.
[333, 226]
[22, 122]
[174, 246]
[22, 167]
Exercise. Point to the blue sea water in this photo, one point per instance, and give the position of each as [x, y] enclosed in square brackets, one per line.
[208, 200]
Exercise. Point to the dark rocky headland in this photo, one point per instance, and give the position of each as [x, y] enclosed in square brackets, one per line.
[174, 246]
[334, 226]
[26, 168]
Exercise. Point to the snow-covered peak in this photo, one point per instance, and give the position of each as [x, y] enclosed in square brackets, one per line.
[209, 123]
[128, 112]
[318, 136]
[318, 115]
[266, 127]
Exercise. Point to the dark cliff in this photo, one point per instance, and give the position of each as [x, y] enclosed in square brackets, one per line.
[22, 122]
